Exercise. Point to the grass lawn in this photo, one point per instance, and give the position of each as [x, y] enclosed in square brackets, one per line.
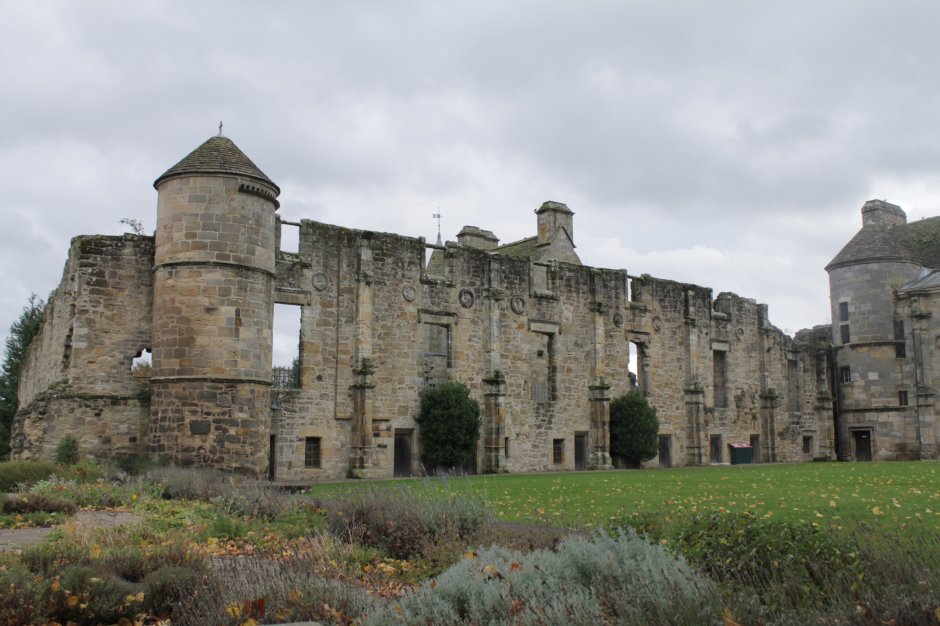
[889, 494]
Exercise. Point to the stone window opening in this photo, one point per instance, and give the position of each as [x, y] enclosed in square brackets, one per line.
[288, 239]
[286, 355]
[558, 451]
[438, 352]
[543, 370]
[793, 385]
[900, 348]
[807, 444]
[903, 398]
[636, 371]
[720, 378]
[142, 363]
[844, 333]
[845, 375]
[312, 453]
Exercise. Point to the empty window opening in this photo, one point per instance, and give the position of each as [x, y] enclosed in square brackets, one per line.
[312, 452]
[542, 367]
[290, 237]
[437, 353]
[793, 384]
[900, 348]
[807, 444]
[558, 451]
[506, 447]
[845, 375]
[902, 398]
[844, 333]
[720, 378]
[142, 364]
[633, 365]
[715, 447]
[843, 311]
[286, 356]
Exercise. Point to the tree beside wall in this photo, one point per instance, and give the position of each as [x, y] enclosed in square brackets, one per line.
[634, 429]
[22, 332]
[449, 424]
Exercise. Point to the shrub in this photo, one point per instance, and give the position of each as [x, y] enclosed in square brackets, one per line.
[15, 475]
[601, 579]
[189, 483]
[98, 494]
[450, 426]
[226, 528]
[66, 453]
[135, 464]
[634, 428]
[407, 522]
[34, 502]
[239, 590]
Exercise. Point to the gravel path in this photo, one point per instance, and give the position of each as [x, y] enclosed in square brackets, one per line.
[16, 538]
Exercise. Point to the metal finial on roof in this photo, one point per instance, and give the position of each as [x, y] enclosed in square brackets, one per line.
[437, 216]
[220, 129]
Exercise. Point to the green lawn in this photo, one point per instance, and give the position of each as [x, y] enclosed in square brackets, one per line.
[890, 494]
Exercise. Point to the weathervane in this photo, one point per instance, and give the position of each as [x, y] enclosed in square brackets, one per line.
[437, 216]
[220, 129]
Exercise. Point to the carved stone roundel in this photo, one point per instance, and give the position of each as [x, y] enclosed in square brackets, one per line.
[319, 281]
[517, 304]
[618, 319]
[657, 323]
[408, 293]
[739, 332]
[465, 298]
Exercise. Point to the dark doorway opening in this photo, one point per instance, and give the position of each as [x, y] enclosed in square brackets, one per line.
[665, 450]
[862, 439]
[580, 451]
[715, 442]
[403, 452]
[272, 457]
[755, 446]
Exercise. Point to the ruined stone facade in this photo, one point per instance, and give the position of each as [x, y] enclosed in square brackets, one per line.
[542, 341]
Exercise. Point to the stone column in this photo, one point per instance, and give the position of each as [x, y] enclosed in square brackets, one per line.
[694, 413]
[599, 390]
[494, 384]
[361, 444]
[823, 407]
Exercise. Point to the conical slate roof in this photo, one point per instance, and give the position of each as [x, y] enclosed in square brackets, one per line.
[218, 155]
[916, 242]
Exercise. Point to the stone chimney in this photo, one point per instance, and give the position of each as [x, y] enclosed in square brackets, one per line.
[473, 237]
[551, 216]
[881, 213]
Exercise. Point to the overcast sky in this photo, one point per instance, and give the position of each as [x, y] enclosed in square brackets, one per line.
[727, 144]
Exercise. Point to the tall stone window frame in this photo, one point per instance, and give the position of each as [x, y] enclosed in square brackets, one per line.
[284, 375]
[546, 390]
[720, 378]
[793, 384]
[558, 451]
[845, 333]
[900, 346]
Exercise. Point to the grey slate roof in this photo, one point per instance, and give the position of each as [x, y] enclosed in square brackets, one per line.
[528, 247]
[916, 242]
[218, 155]
[930, 280]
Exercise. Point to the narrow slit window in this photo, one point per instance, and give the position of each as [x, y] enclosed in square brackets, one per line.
[558, 451]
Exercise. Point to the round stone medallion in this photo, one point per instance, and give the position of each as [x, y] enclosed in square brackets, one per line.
[319, 281]
[409, 293]
[657, 323]
[517, 304]
[618, 319]
[465, 298]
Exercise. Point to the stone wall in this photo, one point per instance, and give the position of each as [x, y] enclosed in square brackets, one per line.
[77, 377]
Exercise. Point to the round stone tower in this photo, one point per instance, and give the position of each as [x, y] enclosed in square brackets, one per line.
[213, 310]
